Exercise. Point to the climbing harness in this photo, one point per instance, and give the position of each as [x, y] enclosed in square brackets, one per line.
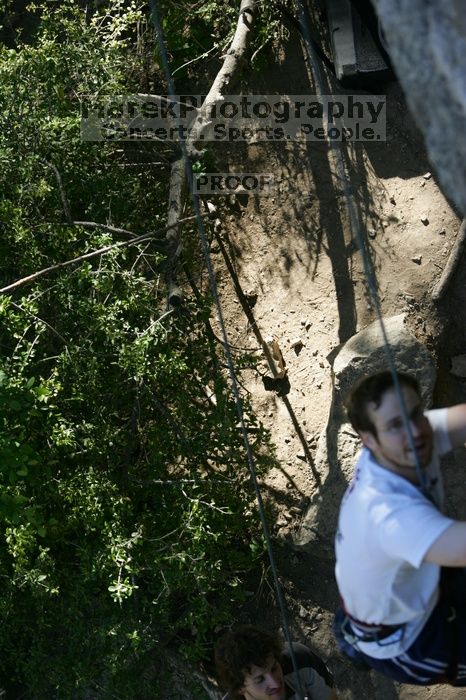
[355, 631]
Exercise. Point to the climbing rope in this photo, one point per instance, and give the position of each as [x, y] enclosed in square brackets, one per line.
[231, 368]
[358, 235]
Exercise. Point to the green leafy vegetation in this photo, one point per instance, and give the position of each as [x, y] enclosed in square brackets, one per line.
[126, 524]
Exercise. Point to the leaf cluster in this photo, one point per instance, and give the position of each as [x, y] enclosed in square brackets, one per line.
[125, 507]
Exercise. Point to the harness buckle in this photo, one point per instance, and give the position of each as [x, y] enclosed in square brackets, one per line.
[353, 633]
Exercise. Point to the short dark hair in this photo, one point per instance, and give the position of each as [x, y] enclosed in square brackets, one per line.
[371, 390]
[240, 649]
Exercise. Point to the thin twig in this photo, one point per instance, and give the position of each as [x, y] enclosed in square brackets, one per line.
[223, 510]
[104, 227]
[66, 206]
[236, 347]
[193, 60]
[257, 51]
[29, 352]
[114, 229]
[157, 320]
[41, 320]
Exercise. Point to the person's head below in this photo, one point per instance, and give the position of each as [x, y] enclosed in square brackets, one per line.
[374, 411]
[248, 664]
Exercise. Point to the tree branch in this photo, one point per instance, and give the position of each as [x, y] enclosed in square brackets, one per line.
[104, 227]
[231, 65]
[173, 237]
[233, 62]
[92, 254]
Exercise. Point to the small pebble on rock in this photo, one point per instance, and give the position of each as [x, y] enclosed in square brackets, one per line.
[417, 259]
[297, 344]
[425, 219]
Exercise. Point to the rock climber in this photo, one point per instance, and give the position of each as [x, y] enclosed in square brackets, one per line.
[399, 559]
[253, 664]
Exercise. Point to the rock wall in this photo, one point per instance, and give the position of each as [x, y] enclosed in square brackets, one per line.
[427, 43]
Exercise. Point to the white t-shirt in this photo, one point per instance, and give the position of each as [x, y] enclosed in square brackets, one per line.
[386, 526]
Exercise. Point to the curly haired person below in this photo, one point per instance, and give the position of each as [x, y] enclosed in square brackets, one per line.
[399, 559]
[253, 664]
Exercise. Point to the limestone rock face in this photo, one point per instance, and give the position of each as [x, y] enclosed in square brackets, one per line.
[427, 44]
[360, 356]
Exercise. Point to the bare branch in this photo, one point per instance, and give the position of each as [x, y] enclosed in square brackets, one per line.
[92, 254]
[178, 482]
[157, 320]
[104, 227]
[198, 58]
[115, 229]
